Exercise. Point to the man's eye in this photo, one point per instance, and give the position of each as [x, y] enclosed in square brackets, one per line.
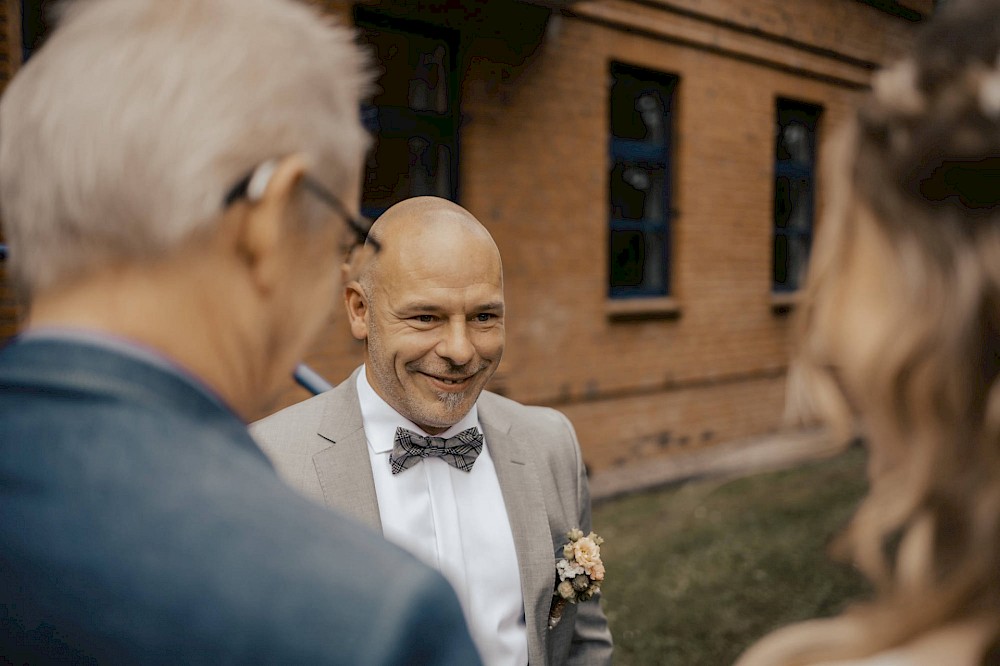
[424, 319]
[485, 316]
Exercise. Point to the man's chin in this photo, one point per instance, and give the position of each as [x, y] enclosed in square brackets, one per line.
[441, 419]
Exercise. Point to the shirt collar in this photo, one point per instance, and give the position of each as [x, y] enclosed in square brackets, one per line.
[381, 420]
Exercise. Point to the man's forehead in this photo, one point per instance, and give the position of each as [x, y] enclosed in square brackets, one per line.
[451, 260]
[427, 296]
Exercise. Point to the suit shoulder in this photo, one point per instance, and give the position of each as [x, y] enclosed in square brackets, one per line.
[302, 413]
[543, 420]
[548, 433]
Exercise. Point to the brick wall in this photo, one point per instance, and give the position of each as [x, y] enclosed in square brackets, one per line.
[547, 207]
[534, 153]
[534, 170]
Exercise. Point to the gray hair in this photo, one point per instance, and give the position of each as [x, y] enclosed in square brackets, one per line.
[120, 138]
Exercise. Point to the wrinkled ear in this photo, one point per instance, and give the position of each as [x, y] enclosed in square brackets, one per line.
[263, 232]
[357, 309]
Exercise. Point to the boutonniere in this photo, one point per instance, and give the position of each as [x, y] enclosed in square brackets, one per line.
[580, 572]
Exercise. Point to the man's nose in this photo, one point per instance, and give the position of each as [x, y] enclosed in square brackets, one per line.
[455, 344]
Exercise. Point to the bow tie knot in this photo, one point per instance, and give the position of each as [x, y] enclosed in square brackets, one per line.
[459, 451]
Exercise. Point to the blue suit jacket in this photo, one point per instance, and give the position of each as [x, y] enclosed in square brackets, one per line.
[140, 523]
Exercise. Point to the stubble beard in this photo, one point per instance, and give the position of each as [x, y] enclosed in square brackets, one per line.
[452, 401]
[396, 394]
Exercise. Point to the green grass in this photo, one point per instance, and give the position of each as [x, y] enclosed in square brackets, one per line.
[696, 573]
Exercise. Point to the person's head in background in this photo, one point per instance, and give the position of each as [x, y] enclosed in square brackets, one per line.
[119, 143]
[901, 343]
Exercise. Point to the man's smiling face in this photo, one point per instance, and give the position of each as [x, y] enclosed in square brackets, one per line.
[435, 318]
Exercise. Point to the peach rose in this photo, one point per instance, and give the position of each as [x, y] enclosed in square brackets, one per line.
[586, 553]
[596, 572]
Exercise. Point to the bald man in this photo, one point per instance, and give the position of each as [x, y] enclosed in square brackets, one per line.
[493, 511]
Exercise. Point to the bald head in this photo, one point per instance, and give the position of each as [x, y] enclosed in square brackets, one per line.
[427, 228]
[430, 308]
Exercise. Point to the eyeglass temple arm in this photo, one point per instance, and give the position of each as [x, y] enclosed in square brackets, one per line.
[307, 377]
[311, 380]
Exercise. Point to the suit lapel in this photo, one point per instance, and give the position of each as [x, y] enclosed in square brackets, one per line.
[522, 494]
[344, 468]
[345, 475]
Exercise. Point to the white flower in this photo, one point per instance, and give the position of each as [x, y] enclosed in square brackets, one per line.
[580, 572]
[568, 569]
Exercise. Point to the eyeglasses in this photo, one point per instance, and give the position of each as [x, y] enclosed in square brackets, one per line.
[252, 186]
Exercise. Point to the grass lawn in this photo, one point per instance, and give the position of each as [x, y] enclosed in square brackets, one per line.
[696, 573]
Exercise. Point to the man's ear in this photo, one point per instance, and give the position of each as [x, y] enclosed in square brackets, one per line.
[357, 308]
[262, 233]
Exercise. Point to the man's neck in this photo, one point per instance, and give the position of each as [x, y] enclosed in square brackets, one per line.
[164, 308]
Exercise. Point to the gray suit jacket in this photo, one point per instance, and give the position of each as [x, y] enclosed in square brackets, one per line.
[319, 447]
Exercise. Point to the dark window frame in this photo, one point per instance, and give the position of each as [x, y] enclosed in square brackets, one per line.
[794, 185]
[395, 122]
[654, 158]
[35, 25]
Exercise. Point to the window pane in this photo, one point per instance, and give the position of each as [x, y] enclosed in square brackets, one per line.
[639, 114]
[401, 167]
[798, 255]
[780, 261]
[793, 203]
[795, 142]
[637, 192]
[35, 25]
[654, 274]
[791, 255]
[429, 84]
[795, 161]
[782, 202]
[638, 261]
[414, 70]
[639, 172]
[414, 115]
[800, 212]
[628, 256]
[795, 132]
[444, 183]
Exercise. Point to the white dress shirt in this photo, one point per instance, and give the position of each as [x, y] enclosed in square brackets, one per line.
[456, 522]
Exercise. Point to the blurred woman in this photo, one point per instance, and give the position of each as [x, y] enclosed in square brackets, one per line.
[901, 344]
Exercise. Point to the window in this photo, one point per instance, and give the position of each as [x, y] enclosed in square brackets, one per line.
[640, 179]
[414, 115]
[35, 25]
[794, 185]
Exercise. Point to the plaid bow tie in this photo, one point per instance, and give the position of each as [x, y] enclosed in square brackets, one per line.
[459, 451]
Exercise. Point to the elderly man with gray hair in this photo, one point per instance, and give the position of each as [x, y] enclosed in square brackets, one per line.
[175, 178]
